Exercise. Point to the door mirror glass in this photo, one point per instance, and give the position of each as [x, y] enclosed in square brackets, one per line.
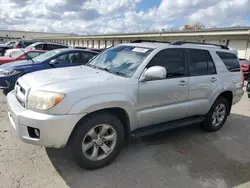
[155, 73]
[53, 62]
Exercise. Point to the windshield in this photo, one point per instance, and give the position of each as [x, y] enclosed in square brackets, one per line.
[121, 60]
[16, 54]
[46, 56]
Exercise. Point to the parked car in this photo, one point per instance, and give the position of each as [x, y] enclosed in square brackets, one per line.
[6, 46]
[245, 66]
[129, 90]
[248, 88]
[38, 46]
[20, 44]
[25, 43]
[10, 43]
[21, 55]
[93, 49]
[10, 72]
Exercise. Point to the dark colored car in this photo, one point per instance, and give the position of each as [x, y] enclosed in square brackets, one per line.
[10, 72]
[248, 89]
[245, 66]
[46, 46]
[93, 49]
[21, 55]
[25, 43]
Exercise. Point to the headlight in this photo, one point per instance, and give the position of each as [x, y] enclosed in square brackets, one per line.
[9, 73]
[44, 100]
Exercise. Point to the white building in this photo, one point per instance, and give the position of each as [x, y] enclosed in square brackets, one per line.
[7, 35]
[238, 38]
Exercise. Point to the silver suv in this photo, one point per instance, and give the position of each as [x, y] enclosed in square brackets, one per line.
[129, 90]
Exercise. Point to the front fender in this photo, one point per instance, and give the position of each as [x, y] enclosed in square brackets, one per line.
[105, 101]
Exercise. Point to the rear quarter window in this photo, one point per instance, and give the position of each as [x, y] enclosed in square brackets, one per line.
[230, 60]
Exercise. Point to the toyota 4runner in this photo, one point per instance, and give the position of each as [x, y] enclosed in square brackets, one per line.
[128, 90]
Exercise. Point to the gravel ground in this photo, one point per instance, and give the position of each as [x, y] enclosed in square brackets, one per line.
[181, 158]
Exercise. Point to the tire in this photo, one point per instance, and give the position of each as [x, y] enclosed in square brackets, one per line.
[84, 134]
[208, 124]
[248, 96]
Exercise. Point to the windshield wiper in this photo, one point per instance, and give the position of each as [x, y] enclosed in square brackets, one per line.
[113, 72]
[93, 66]
[29, 58]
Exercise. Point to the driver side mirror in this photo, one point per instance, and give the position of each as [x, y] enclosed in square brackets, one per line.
[154, 73]
[53, 62]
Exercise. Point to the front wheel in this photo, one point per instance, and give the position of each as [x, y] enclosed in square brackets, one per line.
[217, 115]
[98, 141]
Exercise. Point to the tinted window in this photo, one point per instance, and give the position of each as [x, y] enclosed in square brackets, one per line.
[54, 46]
[85, 57]
[172, 60]
[210, 65]
[75, 57]
[230, 60]
[201, 63]
[39, 47]
[26, 43]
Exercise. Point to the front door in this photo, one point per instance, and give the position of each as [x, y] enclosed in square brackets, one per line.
[164, 100]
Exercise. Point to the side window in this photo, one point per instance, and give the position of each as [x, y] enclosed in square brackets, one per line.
[68, 58]
[85, 57]
[230, 60]
[39, 47]
[54, 46]
[172, 59]
[201, 63]
[210, 64]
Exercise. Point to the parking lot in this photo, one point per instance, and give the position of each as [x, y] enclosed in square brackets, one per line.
[186, 157]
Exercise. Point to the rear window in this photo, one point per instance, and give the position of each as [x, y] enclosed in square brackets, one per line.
[230, 60]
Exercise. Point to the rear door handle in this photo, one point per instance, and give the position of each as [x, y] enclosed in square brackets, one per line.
[182, 83]
[213, 79]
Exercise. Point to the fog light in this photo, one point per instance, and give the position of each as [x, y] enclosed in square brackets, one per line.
[37, 133]
[34, 132]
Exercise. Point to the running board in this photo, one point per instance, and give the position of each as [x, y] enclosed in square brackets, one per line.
[167, 126]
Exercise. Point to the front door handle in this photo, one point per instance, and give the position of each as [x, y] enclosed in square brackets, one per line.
[182, 83]
[213, 79]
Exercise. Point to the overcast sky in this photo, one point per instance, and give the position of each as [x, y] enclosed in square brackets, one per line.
[109, 16]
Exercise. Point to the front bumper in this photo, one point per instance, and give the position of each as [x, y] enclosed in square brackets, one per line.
[55, 130]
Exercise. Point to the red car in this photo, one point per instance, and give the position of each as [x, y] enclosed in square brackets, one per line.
[20, 55]
[245, 66]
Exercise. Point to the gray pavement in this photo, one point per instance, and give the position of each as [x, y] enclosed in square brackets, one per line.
[182, 158]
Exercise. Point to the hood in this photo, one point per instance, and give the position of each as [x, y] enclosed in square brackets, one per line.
[16, 65]
[69, 78]
[5, 60]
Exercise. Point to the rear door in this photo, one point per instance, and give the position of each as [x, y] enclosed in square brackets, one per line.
[203, 81]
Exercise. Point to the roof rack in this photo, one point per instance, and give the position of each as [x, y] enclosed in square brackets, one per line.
[179, 42]
[157, 41]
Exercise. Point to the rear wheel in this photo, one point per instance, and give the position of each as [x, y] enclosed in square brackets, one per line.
[217, 115]
[249, 96]
[98, 141]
